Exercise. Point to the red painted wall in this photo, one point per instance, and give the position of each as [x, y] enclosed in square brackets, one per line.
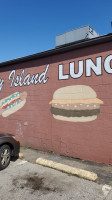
[34, 124]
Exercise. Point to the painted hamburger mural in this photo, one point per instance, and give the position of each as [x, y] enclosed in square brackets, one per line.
[76, 103]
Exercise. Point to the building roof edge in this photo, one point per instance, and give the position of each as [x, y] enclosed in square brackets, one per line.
[60, 49]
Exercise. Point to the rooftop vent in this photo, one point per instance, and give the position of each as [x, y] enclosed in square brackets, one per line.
[83, 33]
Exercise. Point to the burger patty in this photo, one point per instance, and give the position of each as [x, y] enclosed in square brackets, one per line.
[74, 113]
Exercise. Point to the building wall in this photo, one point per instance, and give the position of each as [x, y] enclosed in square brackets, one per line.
[34, 124]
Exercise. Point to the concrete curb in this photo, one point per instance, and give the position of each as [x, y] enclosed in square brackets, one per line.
[67, 169]
[21, 155]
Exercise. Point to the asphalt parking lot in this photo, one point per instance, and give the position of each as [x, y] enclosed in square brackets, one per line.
[23, 180]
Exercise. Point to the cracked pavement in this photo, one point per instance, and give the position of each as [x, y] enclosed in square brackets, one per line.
[23, 180]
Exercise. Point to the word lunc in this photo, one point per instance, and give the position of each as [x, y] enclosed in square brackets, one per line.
[89, 67]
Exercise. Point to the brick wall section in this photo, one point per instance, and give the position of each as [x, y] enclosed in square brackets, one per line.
[34, 124]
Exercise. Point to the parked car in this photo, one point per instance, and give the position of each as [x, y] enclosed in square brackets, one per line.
[9, 147]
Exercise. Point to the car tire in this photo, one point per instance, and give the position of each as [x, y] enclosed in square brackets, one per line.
[5, 156]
